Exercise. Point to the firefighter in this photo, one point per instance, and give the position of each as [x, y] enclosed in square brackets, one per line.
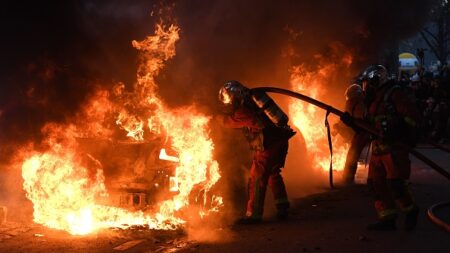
[354, 105]
[395, 118]
[265, 127]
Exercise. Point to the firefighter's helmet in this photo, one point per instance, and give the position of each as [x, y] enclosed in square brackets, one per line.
[354, 91]
[233, 93]
[374, 77]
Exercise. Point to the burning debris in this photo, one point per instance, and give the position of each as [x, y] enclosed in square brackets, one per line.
[156, 178]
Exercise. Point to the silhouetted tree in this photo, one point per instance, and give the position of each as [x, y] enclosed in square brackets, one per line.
[437, 33]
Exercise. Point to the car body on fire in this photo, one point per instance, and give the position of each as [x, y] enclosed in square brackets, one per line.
[138, 174]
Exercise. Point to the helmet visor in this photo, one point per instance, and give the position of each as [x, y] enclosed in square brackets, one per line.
[365, 85]
[225, 97]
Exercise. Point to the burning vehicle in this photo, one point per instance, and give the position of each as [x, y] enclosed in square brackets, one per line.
[165, 169]
[127, 159]
[146, 172]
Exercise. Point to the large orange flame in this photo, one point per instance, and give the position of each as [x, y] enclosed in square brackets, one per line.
[309, 119]
[66, 186]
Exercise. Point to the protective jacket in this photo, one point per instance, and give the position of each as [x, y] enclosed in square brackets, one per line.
[270, 145]
[395, 118]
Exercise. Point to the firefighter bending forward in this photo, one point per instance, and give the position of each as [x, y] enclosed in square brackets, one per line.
[265, 127]
[395, 118]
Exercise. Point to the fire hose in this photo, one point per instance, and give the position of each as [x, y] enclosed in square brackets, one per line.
[434, 218]
[329, 109]
[438, 146]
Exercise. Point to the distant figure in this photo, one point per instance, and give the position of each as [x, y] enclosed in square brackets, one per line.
[421, 54]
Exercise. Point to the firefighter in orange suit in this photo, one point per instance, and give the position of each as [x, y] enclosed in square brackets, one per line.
[395, 118]
[354, 105]
[266, 129]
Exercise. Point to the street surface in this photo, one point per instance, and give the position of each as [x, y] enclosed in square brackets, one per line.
[330, 221]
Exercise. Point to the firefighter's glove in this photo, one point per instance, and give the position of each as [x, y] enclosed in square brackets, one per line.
[348, 120]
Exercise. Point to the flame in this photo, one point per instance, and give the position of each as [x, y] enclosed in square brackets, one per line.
[133, 126]
[65, 198]
[52, 177]
[164, 156]
[309, 119]
[66, 186]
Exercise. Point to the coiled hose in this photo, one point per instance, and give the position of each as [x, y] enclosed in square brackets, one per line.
[431, 212]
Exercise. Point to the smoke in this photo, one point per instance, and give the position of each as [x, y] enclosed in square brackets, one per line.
[56, 54]
[54, 51]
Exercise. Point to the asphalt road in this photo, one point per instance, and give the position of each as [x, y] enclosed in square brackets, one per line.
[330, 221]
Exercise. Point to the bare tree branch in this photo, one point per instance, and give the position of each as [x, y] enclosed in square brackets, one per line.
[431, 43]
[437, 36]
[432, 47]
[431, 34]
